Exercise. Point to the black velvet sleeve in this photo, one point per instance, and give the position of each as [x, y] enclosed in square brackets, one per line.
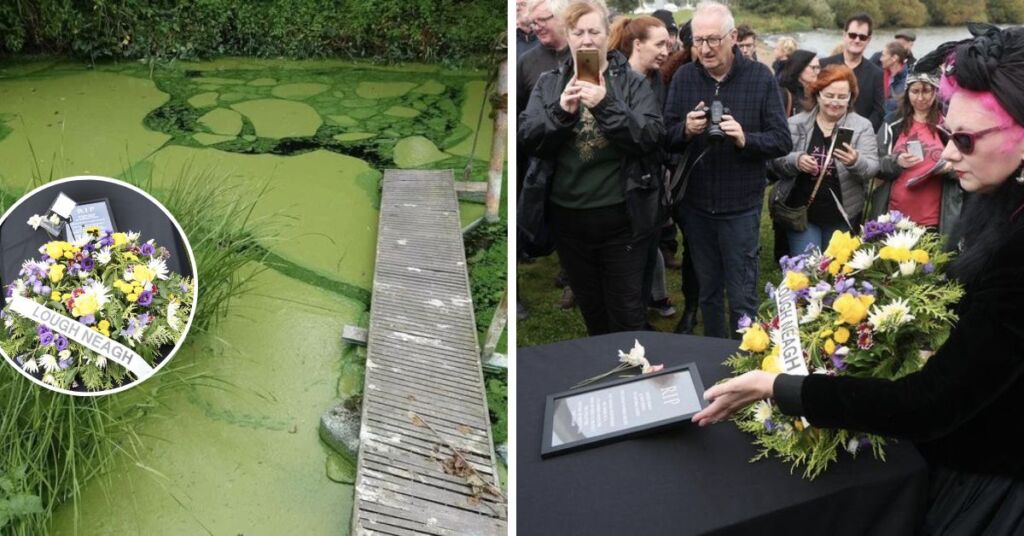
[787, 391]
[981, 360]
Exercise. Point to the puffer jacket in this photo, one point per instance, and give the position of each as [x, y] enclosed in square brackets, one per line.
[889, 170]
[853, 180]
[628, 116]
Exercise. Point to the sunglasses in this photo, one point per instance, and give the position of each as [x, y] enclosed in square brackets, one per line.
[964, 141]
[854, 36]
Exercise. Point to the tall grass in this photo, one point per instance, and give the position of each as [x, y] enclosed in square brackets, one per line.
[53, 444]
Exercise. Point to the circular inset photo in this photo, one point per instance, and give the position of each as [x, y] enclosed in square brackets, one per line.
[99, 286]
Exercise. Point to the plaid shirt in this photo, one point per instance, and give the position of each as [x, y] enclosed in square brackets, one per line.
[729, 179]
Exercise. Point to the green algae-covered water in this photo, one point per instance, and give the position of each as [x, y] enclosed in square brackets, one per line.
[238, 452]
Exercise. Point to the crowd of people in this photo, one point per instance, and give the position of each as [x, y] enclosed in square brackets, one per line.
[681, 135]
[681, 132]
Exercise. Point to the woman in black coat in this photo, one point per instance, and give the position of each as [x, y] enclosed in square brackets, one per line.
[596, 178]
[963, 409]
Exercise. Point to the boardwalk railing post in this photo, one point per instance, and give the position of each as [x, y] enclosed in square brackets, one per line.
[497, 327]
[494, 176]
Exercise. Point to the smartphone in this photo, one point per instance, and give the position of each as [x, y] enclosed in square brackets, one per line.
[914, 148]
[588, 65]
[844, 135]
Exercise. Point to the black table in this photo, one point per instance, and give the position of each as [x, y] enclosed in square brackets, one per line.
[691, 480]
[132, 212]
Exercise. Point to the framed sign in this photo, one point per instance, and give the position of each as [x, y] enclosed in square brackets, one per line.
[89, 214]
[621, 409]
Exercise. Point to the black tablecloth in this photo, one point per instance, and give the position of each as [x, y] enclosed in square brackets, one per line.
[691, 480]
[132, 212]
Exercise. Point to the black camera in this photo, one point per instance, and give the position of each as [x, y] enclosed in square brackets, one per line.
[714, 114]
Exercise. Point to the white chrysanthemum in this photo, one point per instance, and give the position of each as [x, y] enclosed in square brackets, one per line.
[890, 316]
[81, 242]
[852, 446]
[159, 267]
[31, 366]
[35, 221]
[905, 224]
[102, 256]
[635, 356]
[49, 363]
[820, 370]
[905, 239]
[99, 290]
[49, 379]
[19, 288]
[762, 411]
[884, 218]
[908, 267]
[127, 276]
[100, 362]
[172, 315]
[863, 259]
[811, 312]
[775, 336]
[66, 354]
[133, 236]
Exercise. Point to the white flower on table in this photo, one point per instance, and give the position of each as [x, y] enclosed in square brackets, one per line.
[812, 311]
[49, 363]
[762, 411]
[102, 256]
[863, 259]
[35, 221]
[159, 268]
[31, 366]
[636, 358]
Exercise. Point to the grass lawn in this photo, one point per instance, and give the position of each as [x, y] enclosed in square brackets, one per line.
[548, 323]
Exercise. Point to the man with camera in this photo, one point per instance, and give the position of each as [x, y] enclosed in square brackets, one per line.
[725, 114]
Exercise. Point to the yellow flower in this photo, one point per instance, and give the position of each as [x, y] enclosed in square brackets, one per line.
[85, 305]
[68, 254]
[842, 335]
[56, 272]
[122, 286]
[66, 297]
[833, 267]
[93, 230]
[826, 334]
[842, 246]
[890, 253]
[851, 310]
[830, 347]
[55, 296]
[798, 424]
[770, 363]
[133, 298]
[103, 327]
[796, 281]
[55, 249]
[142, 273]
[867, 299]
[120, 239]
[755, 339]
[130, 257]
[919, 256]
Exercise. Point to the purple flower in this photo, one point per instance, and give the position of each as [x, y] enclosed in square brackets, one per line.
[144, 319]
[874, 229]
[107, 241]
[145, 298]
[769, 289]
[846, 285]
[41, 330]
[928, 268]
[89, 247]
[896, 216]
[62, 343]
[838, 362]
[88, 320]
[769, 425]
[46, 339]
[793, 264]
[37, 288]
[744, 322]
[87, 264]
[64, 364]
[147, 249]
[867, 288]
[865, 442]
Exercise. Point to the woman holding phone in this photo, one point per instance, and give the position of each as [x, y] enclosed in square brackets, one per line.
[828, 178]
[596, 178]
[914, 178]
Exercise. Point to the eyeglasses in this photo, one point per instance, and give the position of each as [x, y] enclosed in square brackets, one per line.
[964, 141]
[855, 36]
[542, 21]
[839, 99]
[712, 42]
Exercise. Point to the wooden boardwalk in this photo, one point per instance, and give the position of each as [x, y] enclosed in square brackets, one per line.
[423, 362]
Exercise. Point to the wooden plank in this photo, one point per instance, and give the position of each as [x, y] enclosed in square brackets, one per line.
[422, 356]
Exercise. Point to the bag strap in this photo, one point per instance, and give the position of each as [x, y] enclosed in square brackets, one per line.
[828, 160]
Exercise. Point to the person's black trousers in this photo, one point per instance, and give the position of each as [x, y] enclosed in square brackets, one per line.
[605, 266]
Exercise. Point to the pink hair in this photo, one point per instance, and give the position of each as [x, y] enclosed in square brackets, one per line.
[948, 87]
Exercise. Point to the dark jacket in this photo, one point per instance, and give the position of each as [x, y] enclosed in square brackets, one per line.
[870, 97]
[963, 408]
[728, 179]
[889, 170]
[629, 118]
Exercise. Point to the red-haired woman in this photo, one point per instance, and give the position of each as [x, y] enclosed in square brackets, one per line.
[836, 203]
